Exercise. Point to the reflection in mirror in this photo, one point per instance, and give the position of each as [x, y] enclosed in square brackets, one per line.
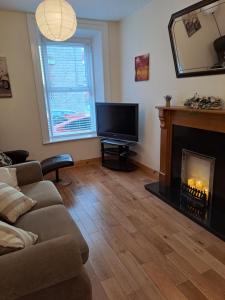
[199, 39]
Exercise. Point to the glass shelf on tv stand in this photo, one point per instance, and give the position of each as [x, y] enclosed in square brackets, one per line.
[117, 157]
[117, 142]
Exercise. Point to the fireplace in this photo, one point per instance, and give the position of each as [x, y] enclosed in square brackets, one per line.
[196, 188]
[192, 165]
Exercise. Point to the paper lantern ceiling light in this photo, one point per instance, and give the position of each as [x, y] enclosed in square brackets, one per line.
[56, 19]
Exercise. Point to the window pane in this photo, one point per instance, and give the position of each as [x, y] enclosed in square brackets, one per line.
[69, 89]
[66, 66]
[69, 116]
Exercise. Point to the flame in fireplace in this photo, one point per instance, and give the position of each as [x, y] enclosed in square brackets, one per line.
[199, 185]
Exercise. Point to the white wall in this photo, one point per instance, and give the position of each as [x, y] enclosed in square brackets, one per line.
[115, 61]
[19, 118]
[146, 32]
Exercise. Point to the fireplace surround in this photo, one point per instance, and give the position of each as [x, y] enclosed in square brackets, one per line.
[192, 165]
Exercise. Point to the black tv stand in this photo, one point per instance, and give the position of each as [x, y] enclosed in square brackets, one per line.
[116, 155]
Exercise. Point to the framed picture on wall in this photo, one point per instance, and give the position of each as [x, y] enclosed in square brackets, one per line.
[192, 24]
[5, 87]
[142, 67]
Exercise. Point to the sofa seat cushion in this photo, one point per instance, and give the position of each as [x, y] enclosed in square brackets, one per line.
[44, 192]
[52, 222]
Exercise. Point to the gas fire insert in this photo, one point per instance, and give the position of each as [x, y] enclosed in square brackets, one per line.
[197, 174]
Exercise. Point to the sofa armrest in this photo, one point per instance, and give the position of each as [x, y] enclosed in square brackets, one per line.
[38, 267]
[28, 172]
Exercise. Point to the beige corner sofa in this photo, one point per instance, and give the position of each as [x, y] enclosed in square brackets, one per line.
[53, 268]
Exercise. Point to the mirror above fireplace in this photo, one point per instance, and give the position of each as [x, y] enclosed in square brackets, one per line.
[197, 35]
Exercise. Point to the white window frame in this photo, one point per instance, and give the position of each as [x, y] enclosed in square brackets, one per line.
[98, 32]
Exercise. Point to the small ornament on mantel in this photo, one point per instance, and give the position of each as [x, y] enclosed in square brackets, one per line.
[168, 98]
[206, 102]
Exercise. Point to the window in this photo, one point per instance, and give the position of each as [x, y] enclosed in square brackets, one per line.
[67, 74]
[69, 77]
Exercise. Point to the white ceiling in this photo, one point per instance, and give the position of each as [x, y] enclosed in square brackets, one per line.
[111, 10]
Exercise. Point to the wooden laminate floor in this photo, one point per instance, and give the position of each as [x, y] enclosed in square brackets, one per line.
[141, 248]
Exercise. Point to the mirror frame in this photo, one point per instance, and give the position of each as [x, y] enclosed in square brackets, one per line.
[172, 19]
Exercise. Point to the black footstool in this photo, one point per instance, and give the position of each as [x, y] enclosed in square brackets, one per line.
[55, 163]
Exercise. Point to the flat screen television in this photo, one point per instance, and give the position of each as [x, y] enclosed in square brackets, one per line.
[118, 121]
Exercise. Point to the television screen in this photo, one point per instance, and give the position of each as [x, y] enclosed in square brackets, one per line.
[117, 121]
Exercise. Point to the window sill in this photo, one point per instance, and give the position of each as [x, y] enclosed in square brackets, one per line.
[71, 138]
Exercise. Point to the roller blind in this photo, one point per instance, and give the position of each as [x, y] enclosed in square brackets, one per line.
[69, 91]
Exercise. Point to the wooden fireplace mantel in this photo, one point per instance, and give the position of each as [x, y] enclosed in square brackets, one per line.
[212, 120]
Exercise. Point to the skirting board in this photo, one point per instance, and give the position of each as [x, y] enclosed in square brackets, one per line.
[97, 161]
[77, 164]
[85, 162]
[153, 173]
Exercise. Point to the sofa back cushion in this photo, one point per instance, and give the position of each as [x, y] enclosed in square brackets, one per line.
[13, 203]
[13, 238]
